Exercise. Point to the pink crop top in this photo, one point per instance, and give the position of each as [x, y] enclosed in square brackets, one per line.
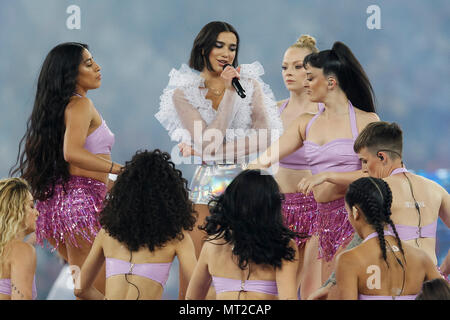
[158, 272]
[5, 287]
[295, 160]
[100, 141]
[261, 286]
[336, 155]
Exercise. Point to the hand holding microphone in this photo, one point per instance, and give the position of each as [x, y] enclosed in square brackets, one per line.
[234, 82]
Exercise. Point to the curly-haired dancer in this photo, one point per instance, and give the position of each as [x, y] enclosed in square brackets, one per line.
[17, 258]
[67, 153]
[382, 267]
[144, 227]
[250, 253]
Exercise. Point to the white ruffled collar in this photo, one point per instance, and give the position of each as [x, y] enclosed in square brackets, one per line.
[187, 77]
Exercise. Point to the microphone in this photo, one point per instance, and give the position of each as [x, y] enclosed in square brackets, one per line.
[236, 85]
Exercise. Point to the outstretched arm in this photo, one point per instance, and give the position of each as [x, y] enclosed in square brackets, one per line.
[343, 179]
[289, 142]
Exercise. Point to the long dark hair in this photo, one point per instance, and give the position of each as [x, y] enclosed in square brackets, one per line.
[248, 217]
[374, 197]
[352, 78]
[41, 162]
[436, 289]
[149, 203]
[205, 41]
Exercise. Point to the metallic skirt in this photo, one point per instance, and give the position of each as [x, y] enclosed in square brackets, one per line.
[333, 228]
[72, 211]
[300, 215]
[212, 180]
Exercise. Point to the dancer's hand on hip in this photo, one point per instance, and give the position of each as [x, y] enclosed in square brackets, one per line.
[306, 185]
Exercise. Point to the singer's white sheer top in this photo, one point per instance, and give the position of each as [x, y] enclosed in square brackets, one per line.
[183, 104]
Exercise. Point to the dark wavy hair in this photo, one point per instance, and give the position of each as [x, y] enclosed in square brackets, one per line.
[41, 162]
[149, 203]
[436, 289]
[248, 217]
[352, 79]
[205, 41]
[374, 197]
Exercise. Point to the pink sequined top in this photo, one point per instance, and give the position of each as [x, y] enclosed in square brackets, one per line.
[158, 272]
[227, 284]
[5, 287]
[100, 141]
[336, 155]
[297, 159]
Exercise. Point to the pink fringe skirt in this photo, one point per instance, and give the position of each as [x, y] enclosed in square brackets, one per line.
[300, 214]
[72, 211]
[333, 228]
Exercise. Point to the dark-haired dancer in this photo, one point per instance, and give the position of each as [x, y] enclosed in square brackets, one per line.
[417, 202]
[144, 227]
[436, 289]
[250, 253]
[381, 267]
[335, 78]
[299, 210]
[67, 153]
[200, 109]
[17, 257]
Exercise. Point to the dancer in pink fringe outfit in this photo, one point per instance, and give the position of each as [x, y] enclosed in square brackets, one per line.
[67, 153]
[335, 78]
[299, 209]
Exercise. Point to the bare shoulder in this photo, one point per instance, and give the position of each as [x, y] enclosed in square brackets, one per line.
[431, 184]
[22, 252]
[365, 117]
[80, 103]
[349, 259]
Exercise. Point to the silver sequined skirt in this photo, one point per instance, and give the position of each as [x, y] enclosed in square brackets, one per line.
[212, 180]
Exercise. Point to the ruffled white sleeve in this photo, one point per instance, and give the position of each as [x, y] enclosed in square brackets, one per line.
[260, 109]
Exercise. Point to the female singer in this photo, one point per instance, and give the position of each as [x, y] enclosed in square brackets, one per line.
[201, 109]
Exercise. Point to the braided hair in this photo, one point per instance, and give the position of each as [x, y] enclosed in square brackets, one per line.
[374, 197]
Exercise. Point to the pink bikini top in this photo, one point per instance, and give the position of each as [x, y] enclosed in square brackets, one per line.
[406, 232]
[5, 287]
[158, 272]
[227, 284]
[336, 155]
[376, 297]
[100, 141]
[296, 160]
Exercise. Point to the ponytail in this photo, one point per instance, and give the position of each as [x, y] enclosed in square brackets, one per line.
[352, 78]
